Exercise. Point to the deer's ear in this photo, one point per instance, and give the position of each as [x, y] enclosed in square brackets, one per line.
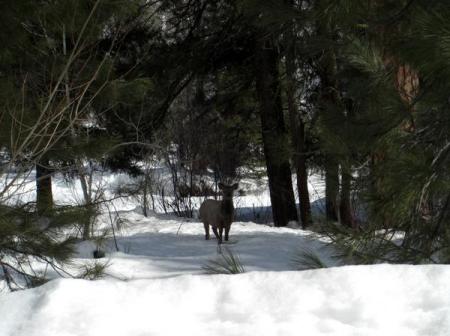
[221, 185]
[235, 186]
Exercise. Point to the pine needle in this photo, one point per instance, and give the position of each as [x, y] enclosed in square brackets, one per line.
[226, 263]
[306, 259]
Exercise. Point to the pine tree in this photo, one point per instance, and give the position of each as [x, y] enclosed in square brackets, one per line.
[394, 73]
[297, 124]
[274, 133]
[51, 74]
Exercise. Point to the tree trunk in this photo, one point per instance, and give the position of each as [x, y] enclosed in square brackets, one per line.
[331, 189]
[345, 206]
[330, 108]
[297, 136]
[145, 193]
[274, 134]
[302, 179]
[85, 181]
[44, 195]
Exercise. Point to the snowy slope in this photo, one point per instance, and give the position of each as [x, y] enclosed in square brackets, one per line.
[353, 300]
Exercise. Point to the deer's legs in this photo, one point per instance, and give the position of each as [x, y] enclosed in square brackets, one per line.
[206, 225]
[221, 234]
[216, 234]
[227, 231]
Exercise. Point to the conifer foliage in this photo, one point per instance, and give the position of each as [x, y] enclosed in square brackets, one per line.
[54, 68]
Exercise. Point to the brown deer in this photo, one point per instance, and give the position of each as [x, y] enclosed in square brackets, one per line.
[219, 214]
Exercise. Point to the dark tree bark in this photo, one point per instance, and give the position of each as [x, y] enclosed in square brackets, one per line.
[44, 195]
[345, 206]
[302, 178]
[87, 225]
[331, 189]
[297, 135]
[274, 134]
[330, 108]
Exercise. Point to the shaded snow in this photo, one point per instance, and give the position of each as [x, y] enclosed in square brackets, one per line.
[164, 246]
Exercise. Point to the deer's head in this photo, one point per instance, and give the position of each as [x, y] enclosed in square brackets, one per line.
[227, 190]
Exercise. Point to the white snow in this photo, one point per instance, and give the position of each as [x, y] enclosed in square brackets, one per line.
[154, 285]
[352, 300]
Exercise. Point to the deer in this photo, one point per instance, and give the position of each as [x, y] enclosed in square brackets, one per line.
[219, 214]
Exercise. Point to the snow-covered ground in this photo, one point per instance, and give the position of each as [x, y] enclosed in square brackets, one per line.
[155, 285]
[369, 300]
[162, 247]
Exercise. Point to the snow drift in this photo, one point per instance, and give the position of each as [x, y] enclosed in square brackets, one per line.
[352, 300]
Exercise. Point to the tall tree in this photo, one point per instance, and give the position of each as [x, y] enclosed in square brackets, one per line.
[334, 115]
[274, 133]
[329, 110]
[389, 47]
[297, 126]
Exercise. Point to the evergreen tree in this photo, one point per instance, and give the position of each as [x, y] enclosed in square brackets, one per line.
[396, 125]
[296, 120]
[51, 75]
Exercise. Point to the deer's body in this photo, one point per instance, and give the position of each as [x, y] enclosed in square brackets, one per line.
[218, 214]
